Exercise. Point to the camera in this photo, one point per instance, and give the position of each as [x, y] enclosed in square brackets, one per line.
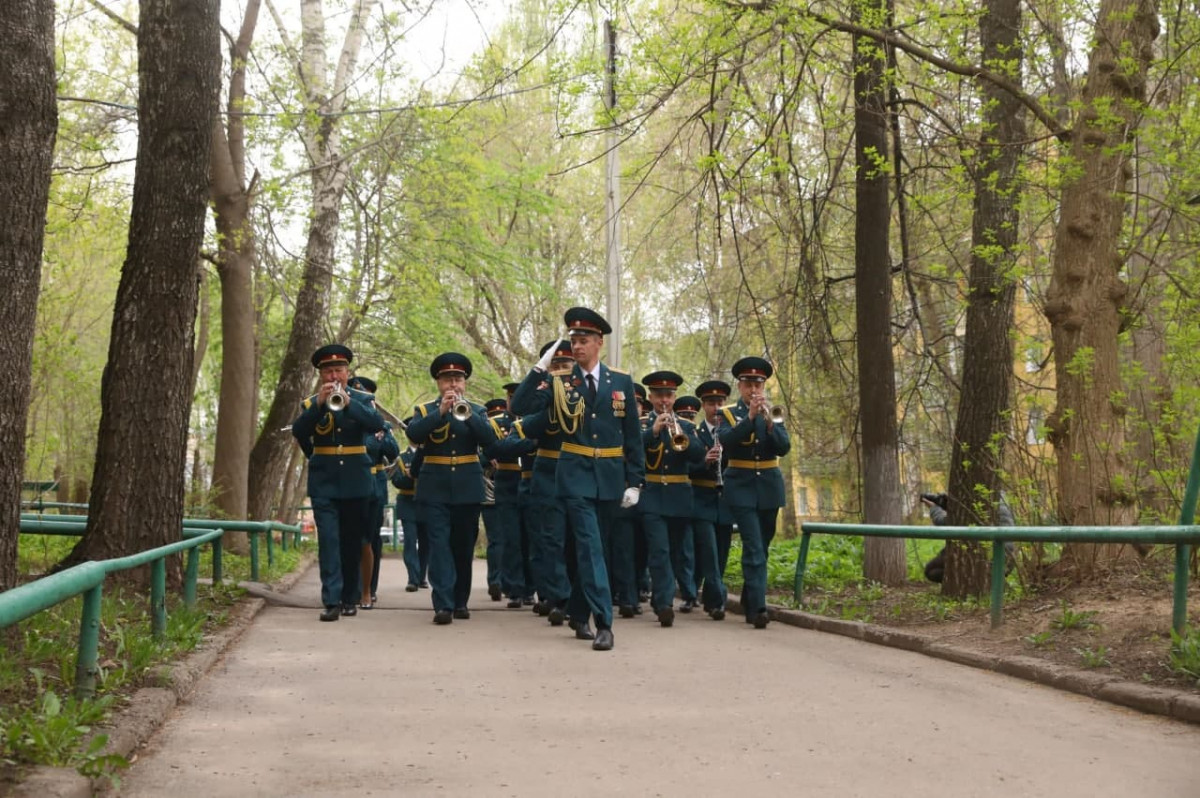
[940, 499]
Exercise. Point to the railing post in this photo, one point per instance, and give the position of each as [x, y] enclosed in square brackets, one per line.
[192, 576]
[218, 575]
[89, 644]
[158, 598]
[253, 555]
[999, 557]
[801, 566]
[1179, 605]
[283, 540]
[270, 544]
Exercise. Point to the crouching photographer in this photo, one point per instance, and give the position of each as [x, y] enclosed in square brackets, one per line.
[937, 504]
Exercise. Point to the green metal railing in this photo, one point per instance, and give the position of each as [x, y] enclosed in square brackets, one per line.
[36, 523]
[1182, 536]
[87, 579]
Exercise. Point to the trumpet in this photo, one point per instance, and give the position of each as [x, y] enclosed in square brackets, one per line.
[679, 438]
[338, 399]
[776, 413]
[461, 409]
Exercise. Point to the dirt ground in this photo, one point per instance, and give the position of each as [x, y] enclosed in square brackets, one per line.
[1119, 624]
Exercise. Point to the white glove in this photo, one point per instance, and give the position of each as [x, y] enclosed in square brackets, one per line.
[630, 498]
[544, 363]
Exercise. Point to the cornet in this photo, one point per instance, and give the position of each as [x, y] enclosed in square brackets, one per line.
[679, 438]
[461, 410]
[338, 399]
[775, 413]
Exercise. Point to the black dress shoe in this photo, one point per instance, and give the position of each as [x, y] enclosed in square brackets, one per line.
[637, 609]
[367, 606]
[644, 597]
[718, 614]
[349, 610]
[331, 613]
[425, 584]
[541, 609]
[443, 617]
[557, 616]
[527, 601]
[688, 605]
[410, 588]
[583, 631]
[462, 613]
[626, 610]
[666, 616]
[603, 641]
[761, 620]
[494, 592]
[513, 604]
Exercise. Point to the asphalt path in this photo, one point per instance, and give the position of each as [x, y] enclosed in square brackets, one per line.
[502, 704]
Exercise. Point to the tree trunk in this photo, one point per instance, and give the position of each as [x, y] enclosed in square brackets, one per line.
[1086, 297]
[138, 484]
[322, 142]
[235, 265]
[883, 558]
[28, 124]
[982, 426]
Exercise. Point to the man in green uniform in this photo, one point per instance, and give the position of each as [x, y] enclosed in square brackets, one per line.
[711, 520]
[382, 448]
[753, 481]
[451, 433]
[672, 450]
[330, 430]
[601, 464]
[416, 545]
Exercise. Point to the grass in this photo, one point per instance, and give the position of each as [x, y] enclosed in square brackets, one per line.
[1069, 619]
[1184, 655]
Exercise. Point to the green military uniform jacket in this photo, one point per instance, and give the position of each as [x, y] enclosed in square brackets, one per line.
[752, 475]
[339, 466]
[668, 490]
[450, 469]
[601, 452]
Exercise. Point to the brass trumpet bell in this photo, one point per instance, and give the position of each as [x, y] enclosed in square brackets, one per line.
[777, 414]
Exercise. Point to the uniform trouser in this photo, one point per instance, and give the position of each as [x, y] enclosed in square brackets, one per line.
[657, 531]
[495, 545]
[708, 570]
[512, 552]
[531, 516]
[555, 587]
[340, 525]
[756, 528]
[621, 555]
[586, 518]
[683, 558]
[724, 533]
[641, 559]
[416, 549]
[527, 552]
[375, 541]
[453, 530]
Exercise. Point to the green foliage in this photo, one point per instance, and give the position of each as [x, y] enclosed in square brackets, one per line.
[59, 733]
[1070, 619]
[1040, 639]
[1094, 658]
[1185, 653]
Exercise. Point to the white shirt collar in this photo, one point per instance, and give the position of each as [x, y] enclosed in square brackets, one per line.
[595, 372]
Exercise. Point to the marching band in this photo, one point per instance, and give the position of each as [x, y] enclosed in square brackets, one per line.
[593, 494]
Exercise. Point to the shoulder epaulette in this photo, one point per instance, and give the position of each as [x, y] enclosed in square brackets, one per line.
[727, 411]
[616, 370]
[307, 403]
[424, 411]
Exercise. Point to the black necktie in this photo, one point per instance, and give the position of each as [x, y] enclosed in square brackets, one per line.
[591, 388]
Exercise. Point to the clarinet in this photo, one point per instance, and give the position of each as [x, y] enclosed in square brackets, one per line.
[720, 451]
